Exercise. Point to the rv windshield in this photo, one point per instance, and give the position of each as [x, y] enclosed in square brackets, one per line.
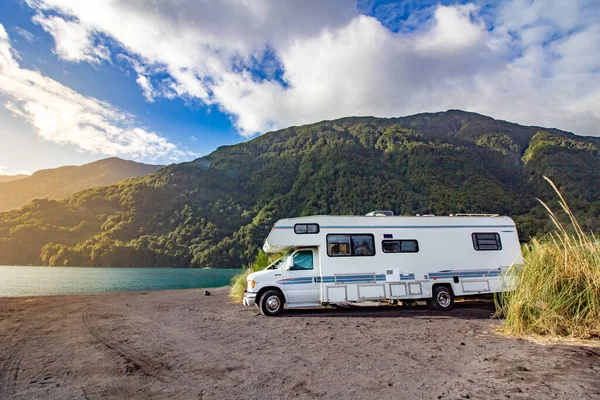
[280, 260]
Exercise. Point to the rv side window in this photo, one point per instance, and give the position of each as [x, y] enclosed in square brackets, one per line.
[486, 241]
[350, 245]
[400, 246]
[306, 228]
[338, 245]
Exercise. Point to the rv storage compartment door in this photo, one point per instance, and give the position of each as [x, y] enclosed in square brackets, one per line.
[398, 290]
[414, 288]
[336, 294]
[475, 286]
[374, 292]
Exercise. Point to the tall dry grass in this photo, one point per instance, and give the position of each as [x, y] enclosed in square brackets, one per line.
[238, 282]
[558, 287]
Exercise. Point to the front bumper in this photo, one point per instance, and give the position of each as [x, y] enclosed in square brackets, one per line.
[249, 299]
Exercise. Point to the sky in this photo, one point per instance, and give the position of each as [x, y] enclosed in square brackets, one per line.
[171, 80]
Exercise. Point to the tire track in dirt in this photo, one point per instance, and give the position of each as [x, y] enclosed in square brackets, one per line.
[9, 371]
[11, 366]
[136, 362]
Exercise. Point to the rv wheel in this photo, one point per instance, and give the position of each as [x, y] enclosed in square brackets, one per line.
[271, 303]
[442, 299]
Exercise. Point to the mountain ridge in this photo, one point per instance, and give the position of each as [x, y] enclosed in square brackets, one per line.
[61, 182]
[10, 178]
[215, 211]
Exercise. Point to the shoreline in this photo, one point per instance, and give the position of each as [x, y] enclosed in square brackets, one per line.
[57, 281]
[182, 344]
[142, 292]
[139, 267]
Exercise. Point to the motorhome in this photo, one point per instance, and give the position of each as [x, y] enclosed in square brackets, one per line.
[340, 260]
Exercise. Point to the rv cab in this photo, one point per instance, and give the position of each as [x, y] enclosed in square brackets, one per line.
[294, 276]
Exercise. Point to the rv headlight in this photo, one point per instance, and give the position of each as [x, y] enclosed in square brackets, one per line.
[251, 284]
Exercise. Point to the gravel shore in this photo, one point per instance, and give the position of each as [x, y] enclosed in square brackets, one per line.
[182, 344]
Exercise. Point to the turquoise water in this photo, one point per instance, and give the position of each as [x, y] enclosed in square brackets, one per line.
[47, 281]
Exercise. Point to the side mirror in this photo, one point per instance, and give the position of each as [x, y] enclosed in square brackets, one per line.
[289, 263]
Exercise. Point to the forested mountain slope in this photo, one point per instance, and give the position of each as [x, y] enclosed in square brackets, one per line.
[217, 210]
[62, 182]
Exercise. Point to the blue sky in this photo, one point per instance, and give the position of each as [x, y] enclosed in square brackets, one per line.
[192, 126]
[170, 81]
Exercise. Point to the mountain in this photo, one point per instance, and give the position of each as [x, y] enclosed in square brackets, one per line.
[217, 210]
[62, 182]
[9, 178]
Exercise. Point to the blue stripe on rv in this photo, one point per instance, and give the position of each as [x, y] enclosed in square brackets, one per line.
[404, 227]
[366, 278]
[465, 274]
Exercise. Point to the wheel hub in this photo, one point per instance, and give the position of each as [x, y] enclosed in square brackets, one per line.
[273, 303]
[443, 299]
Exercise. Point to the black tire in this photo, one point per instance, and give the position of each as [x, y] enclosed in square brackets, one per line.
[271, 303]
[430, 304]
[257, 302]
[442, 299]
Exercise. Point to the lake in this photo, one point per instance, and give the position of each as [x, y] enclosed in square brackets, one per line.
[47, 281]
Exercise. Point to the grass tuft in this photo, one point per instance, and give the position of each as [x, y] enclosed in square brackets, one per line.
[238, 282]
[557, 290]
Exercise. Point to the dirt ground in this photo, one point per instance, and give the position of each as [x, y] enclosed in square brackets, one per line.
[181, 344]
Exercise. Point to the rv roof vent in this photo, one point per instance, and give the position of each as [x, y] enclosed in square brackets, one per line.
[476, 215]
[380, 213]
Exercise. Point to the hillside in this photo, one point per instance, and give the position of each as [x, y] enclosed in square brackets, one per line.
[9, 178]
[62, 182]
[217, 210]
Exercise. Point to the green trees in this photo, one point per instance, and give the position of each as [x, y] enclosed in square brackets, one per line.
[217, 210]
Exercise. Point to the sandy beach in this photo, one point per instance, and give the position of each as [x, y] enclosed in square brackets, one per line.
[182, 344]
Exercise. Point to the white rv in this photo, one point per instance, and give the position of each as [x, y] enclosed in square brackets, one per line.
[333, 260]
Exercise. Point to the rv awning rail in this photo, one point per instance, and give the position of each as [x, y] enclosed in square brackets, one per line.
[476, 215]
[348, 278]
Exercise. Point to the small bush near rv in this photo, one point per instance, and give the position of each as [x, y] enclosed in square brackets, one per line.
[238, 282]
[558, 288]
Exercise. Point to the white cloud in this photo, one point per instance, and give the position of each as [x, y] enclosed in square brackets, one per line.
[146, 86]
[25, 34]
[529, 61]
[74, 42]
[62, 115]
[143, 80]
[452, 31]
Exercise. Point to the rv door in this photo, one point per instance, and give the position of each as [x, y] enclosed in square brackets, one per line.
[299, 275]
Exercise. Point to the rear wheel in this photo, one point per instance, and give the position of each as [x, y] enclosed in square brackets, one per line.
[442, 299]
[271, 303]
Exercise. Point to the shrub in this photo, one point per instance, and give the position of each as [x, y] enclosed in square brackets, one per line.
[558, 287]
[238, 282]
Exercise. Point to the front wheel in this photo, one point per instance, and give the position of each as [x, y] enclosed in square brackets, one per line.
[271, 303]
[442, 299]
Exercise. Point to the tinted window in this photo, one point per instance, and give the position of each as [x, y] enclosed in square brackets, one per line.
[303, 260]
[300, 228]
[362, 245]
[486, 241]
[338, 245]
[350, 245]
[306, 228]
[400, 246]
